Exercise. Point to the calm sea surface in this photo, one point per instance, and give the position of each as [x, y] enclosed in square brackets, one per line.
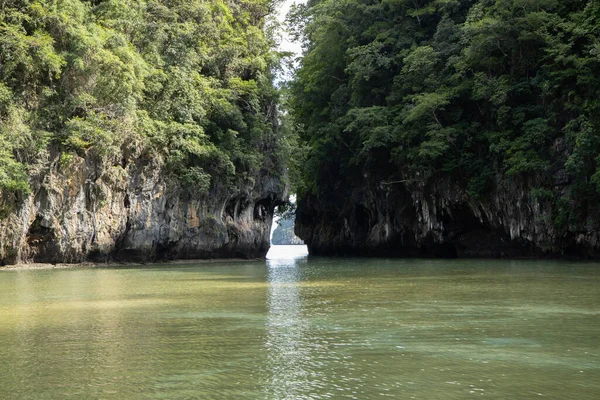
[301, 328]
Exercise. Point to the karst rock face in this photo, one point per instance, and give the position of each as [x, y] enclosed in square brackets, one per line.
[91, 211]
[439, 219]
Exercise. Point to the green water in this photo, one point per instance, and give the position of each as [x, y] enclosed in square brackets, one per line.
[303, 329]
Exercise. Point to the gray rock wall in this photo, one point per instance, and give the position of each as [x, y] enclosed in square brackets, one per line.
[440, 219]
[90, 211]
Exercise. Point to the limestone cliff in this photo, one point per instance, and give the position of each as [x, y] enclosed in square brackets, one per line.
[92, 211]
[439, 219]
[283, 234]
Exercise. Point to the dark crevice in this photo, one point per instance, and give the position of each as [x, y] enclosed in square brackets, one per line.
[120, 242]
[40, 240]
[261, 209]
[230, 208]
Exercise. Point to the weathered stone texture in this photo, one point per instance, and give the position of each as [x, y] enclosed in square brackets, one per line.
[440, 219]
[88, 211]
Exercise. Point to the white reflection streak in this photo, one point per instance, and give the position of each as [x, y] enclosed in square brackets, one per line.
[287, 333]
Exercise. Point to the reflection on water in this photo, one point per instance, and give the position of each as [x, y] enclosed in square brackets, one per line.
[288, 331]
[283, 254]
[295, 327]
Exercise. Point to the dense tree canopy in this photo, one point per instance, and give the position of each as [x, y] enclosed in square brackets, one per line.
[480, 90]
[188, 81]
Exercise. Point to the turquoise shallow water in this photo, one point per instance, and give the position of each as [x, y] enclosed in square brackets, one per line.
[299, 328]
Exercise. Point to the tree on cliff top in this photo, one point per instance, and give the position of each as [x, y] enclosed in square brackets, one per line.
[187, 82]
[478, 90]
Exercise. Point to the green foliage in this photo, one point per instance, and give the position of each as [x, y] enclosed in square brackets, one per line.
[13, 175]
[480, 90]
[190, 80]
[96, 131]
[196, 178]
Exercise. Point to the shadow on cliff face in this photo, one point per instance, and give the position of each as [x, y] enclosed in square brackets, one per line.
[433, 221]
[40, 240]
